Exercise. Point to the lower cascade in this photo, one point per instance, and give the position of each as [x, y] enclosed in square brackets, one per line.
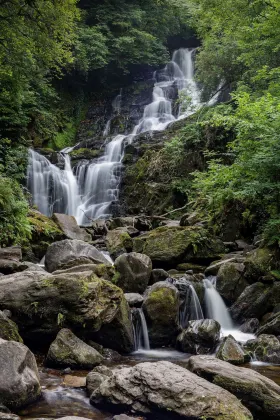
[190, 308]
[88, 190]
[140, 330]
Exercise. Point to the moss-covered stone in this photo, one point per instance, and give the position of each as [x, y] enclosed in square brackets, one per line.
[260, 262]
[230, 351]
[231, 281]
[118, 241]
[84, 153]
[265, 348]
[8, 329]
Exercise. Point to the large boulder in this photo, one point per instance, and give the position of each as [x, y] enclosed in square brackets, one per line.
[118, 241]
[200, 337]
[259, 262]
[158, 274]
[96, 377]
[230, 351]
[69, 253]
[161, 307]
[230, 281]
[12, 253]
[67, 350]
[272, 326]
[167, 246]
[167, 390]
[70, 227]
[265, 348]
[250, 326]
[8, 329]
[41, 303]
[10, 260]
[133, 272]
[258, 393]
[134, 300]
[19, 379]
[105, 271]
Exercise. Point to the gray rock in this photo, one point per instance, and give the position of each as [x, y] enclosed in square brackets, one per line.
[96, 377]
[125, 417]
[230, 281]
[164, 387]
[230, 351]
[19, 379]
[69, 253]
[258, 393]
[8, 329]
[10, 266]
[134, 271]
[250, 326]
[158, 274]
[8, 416]
[213, 269]
[118, 241]
[272, 326]
[134, 299]
[70, 228]
[12, 253]
[69, 350]
[265, 348]
[200, 337]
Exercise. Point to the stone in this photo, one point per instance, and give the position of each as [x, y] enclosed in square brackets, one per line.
[125, 417]
[134, 299]
[213, 269]
[250, 326]
[230, 281]
[133, 272]
[258, 393]
[96, 377]
[7, 415]
[70, 253]
[230, 351]
[74, 381]
[19, 379]
[104, 271]
[8, 329]
[70, 228]
[161, 308]
[169, 390]
[67, 350]
[158, 274]
[42, 303]
[139, 222]
[272, 326]
[167, 246]
[259, 262]
[265, 348]
[200, 337]
[10, 266]
[118, 241]
[12, 253]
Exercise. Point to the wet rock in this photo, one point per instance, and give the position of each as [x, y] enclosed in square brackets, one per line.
[74, 381]
[96, 377]
[200, 337]
[213, 269]
[169, 390]
[230, 351]
[19, 379]
[259, 262]
[118, 241]
[250, 326]
[134, 299]
[133, 272]
[7, 415]
[272, 326]
[158, 274]
[172, 245]
[141, 223]
[69, 350]
[41, 303]
[70, 253]
[104, 271]
[70, 228]
[161, 308]
[12, 253]
[125, 417]
[258, 393]
[230, 281]
[265, 348]
[8, 329]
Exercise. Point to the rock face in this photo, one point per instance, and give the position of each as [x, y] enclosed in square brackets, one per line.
[134, 271]
[250, 326]
[67, 350]
[19, 379]
[118, 241]
[167, 246]
[70, 228]
[168, 390]
[258, 393]
[272, 326]
[265, 348]
[161, 308]
[158, 274]
[68, 253]
[259, 262]
[41, 303]
[230, 351]
[12, 253]
[200, 337]
[10, 260]
[96, 377]
[8, 329]
[134, 300]
[230, 281]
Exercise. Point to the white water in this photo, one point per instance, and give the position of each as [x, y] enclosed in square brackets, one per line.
[216, 309]
[89, 193]
[141, 335]
[191, 309]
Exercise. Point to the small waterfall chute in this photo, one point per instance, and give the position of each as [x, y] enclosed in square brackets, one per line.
[140, 330]
[190, 308]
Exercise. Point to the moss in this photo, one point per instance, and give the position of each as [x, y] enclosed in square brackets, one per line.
[116, 278]
[84, 153]
[9, 330]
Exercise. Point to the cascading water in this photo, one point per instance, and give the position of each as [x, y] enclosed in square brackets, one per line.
[190, 308]
[90, 192]
[141, 335]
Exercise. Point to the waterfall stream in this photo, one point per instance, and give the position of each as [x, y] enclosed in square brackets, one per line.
[141, 335]
[89, 192]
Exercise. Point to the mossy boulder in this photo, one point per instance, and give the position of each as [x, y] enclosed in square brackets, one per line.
[260, 262]
[161, 307]
[265, 348]
[83, 153]
[118, 241]
[8, 329]
[134, 272]
[230, 281]
[67, 350]
[104, 271]
[171, 245]
[44, 231]
[200, 337]
[230, 351]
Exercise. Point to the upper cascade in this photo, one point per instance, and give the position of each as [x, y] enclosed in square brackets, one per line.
[88, 191]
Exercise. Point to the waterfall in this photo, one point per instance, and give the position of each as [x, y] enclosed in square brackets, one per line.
[89, 192]
[215, 306]
[141, 335]
[190, 308]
